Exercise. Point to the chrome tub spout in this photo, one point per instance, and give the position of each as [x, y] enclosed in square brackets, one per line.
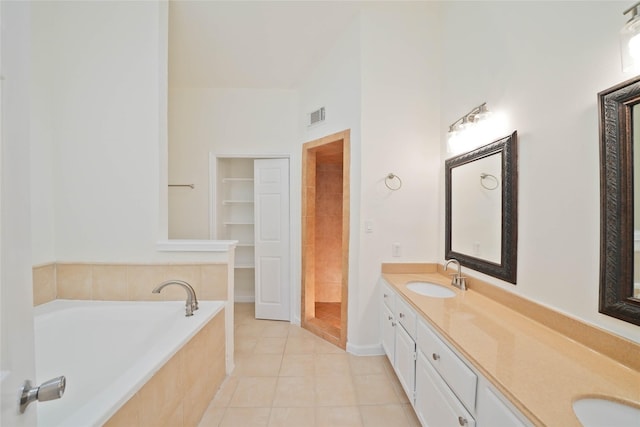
[191, 304]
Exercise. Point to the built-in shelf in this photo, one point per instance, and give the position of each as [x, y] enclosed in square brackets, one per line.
[228, 179]
[232, 202]
[235, 216]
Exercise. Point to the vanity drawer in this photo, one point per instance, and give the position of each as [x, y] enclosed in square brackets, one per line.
[406, 316]
[462, 380]
[388, 297]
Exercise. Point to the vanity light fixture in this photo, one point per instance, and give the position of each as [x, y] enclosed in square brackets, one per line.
[471, 130]
[630, 40]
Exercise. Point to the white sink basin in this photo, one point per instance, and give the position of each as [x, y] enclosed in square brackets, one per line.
[430, 290]
[593, 412]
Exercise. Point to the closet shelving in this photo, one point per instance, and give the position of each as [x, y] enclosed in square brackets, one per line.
[235, 217]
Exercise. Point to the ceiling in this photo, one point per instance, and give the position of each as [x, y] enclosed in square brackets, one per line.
[251, 44]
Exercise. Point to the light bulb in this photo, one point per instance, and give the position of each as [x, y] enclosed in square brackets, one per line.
[634, 47]
[630, 41]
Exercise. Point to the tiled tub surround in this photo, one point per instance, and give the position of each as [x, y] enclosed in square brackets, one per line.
[126, 282]
[542, 361]
[130, 363]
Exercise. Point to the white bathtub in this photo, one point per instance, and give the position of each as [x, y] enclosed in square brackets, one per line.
[107, 351]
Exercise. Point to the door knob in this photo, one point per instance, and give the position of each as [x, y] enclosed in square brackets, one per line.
[48, 390]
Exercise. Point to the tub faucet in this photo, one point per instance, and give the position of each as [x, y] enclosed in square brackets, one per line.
[457, 280]
[192, 301]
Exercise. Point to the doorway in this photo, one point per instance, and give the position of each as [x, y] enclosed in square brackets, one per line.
[325, 237]
[251, 196]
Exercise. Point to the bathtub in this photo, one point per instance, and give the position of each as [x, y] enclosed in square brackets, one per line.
[107, 350]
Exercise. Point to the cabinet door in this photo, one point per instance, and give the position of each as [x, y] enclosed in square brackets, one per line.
[436, 405]
[405, 361]
[492, 411]
[388, 333]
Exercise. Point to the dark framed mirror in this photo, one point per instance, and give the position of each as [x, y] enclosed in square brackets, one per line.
[619, 110]
[481, 229]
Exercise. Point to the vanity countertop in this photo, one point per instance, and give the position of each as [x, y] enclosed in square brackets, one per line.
[540, 370]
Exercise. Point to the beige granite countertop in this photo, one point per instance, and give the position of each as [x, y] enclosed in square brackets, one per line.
[539, 370]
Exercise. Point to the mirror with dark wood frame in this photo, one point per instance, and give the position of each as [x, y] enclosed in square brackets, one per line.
[480, 201]
[619, 296]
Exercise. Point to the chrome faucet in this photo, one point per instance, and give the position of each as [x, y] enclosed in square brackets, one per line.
[457, 280]
[191, 304]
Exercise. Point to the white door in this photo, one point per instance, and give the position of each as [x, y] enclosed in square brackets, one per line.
[271, 204]
[16, 336]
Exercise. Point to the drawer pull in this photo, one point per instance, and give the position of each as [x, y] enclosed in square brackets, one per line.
[390, 317]
[385, 295]
[393, 323]
[435, 356]
[401, 315]
[462, 421]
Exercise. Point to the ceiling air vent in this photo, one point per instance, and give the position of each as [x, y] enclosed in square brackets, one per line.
[316, 116]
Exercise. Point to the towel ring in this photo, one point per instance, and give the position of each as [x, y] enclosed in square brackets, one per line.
[389, 179]
[484, 176]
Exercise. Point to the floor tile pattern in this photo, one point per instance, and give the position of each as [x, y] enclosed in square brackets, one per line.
[329, 312]
[287, 377]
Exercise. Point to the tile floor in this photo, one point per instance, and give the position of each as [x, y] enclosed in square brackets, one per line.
[329, 312]
[286, 376]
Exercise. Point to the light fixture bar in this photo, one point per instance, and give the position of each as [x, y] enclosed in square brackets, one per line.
[470, 116]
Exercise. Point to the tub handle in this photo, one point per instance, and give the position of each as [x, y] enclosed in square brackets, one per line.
[48, 390]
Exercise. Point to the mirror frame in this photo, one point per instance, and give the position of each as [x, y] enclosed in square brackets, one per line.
[616, 201]
[507, 269]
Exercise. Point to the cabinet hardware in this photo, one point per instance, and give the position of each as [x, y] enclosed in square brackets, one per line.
[401, 315]
[393, 323]
[435, 356]
[462, 421]
[390, 317]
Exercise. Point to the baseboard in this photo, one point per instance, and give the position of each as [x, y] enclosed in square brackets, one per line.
[244, 298]
[365, 350]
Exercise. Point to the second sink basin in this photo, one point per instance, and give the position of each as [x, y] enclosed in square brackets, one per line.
[594, 412]
[430, 289]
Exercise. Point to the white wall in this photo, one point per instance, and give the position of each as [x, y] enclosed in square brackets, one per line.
[335, 85]
[400, 134]
[98, 113]
[381, 81]
[543, 63]
[223, 122]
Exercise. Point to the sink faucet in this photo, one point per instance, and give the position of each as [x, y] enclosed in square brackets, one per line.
[191, 304]
[457, 280]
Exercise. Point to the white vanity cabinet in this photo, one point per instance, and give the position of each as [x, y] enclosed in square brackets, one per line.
[444, 389]
[435, 403]
[388, 333]
[405, 363]
[460, 378]
[445, 386]
[388, 323]
[493, 409]
[398, 338]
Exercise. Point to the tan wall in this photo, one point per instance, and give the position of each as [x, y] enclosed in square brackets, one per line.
[180, 392]
[328, 235]
[126, 282]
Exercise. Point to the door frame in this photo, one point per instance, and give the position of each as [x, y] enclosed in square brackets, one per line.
[308, 167]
